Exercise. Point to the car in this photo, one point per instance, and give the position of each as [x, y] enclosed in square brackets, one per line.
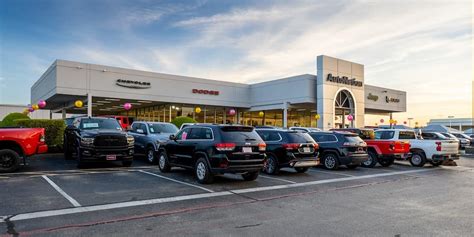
[189, 124]
[19, 143]
[340, 148]
[380, 151]
[464, 136]
[463, 142]
[98, 139]
[266, 126]
[426, 148]
[148, 137]
[212, 150]
[286, 148]
[304, 129]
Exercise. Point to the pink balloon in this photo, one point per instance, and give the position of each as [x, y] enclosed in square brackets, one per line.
[232, 112]
[381, 120]
[127, 106]
[350, 117]
[42, 104]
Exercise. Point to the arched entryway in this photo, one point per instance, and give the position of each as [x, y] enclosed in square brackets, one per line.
[344, 105]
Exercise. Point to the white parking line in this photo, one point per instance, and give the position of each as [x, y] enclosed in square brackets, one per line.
[175, 180]
[334, 172]
[40, 214]
[60, 191]
[283, 180]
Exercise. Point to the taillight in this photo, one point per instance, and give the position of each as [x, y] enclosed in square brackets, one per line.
[262, 146]
[316, 146]
[438, 147]
[42, 138]
[291, 146]
[225, 146]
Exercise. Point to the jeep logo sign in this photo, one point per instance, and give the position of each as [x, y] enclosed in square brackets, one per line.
[205, 92]
[373, 97]
[133, 84]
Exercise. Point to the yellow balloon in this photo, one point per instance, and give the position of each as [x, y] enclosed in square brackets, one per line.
[261, 113]
[35, 107]
[197, 110]
[317, 116]
[78, 104]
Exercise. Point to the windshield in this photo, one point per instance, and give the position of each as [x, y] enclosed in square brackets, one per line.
[353, 139]
[162, 128]
[239, 134]
[298, 137]
[89, 124]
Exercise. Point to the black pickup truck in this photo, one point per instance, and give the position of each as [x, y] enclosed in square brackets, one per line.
[98, 139]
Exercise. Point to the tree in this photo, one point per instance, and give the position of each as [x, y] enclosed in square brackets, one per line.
[178, 121]
[9, 120]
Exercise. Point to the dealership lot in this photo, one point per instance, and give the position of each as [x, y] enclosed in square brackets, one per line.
[51, 187]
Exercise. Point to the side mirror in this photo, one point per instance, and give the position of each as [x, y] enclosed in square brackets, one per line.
[71, 128]
[172, 137]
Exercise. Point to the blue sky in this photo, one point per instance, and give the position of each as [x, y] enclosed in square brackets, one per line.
[422, 47]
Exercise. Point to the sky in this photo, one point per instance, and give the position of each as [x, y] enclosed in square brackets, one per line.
[422, 47]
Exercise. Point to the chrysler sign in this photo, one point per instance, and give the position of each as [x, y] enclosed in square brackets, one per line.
[133, 84]
[344, 80]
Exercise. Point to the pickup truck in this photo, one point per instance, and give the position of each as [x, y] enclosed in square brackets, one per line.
[19, 143]
[433, 151]
[380, 151]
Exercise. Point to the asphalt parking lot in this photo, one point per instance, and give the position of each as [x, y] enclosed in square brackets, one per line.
[51, 197]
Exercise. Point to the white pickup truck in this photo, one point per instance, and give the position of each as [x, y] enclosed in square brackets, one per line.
[423, 150]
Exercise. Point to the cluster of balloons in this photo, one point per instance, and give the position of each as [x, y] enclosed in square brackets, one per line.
[32, 108]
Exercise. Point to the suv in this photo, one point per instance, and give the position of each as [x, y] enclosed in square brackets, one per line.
[214, 149]
[340, 148]
[286, 148]
[98, 139]
[304, 129]
[148, 137]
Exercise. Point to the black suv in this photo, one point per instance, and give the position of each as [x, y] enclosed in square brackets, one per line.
[287, 148]
[98, 139]
[214, 149]
[340, 148]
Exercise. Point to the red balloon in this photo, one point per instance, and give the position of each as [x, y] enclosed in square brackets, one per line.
[381, 120]
[404, 122]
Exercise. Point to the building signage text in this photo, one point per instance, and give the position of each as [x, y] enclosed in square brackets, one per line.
[344, 80]
[391, 100]
[373, 97]
[133, 84]
[205, 92]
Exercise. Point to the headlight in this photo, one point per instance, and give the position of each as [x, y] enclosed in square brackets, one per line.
[87, 141]
[130, 139]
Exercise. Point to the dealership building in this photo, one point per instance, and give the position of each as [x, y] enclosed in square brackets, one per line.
[336, 96]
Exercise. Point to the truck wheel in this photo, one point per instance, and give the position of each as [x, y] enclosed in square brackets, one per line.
[371, 161]
[163, 162]
[386, 162]
[436, 163]
[250, 176]
[203, 172]
[9, 161]
[151, 155]
[301, 169]
[127, 163]
[331, 161]
[271, 165]
[418, 159]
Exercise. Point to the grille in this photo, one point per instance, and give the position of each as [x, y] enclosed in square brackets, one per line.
[110, 141]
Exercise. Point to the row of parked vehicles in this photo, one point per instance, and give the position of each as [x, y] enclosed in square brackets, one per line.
[213, 149]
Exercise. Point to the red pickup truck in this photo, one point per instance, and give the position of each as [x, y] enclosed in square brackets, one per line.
[17, 143]
[382, 151]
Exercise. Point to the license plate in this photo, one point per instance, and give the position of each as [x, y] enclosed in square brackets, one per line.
[247, 149]
[306, 150]
[111, 157]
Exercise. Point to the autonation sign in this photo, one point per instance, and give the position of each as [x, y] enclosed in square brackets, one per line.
[344, 80]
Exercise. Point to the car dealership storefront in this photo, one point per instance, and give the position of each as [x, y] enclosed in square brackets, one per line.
[336, 97]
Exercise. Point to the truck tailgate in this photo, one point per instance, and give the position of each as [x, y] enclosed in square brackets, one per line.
[449, 147]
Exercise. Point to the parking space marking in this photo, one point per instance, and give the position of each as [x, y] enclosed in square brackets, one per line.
[283, 180]
[51, 213]
[175, 180]
[334, 172]
[60, 191]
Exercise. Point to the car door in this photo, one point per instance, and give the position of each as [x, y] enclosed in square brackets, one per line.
[174, 148]
[139, 131]
[188, 145]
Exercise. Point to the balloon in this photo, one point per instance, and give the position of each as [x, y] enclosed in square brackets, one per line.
[197, 110]
[404, 122]
[261, 113]
[317, 116]
[78, 104]
[231, 112]
[31, 110]
[42, 104]
[127, 106]
[350, 117]
[381, 120]
[35, 107]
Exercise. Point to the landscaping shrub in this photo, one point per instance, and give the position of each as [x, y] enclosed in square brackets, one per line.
[54, 129]
[178, 121]
[9, 120]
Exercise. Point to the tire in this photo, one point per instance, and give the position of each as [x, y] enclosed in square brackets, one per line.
[330, 161]
[9, 161]
[418, 159]
[163, 162]
[250, 176]
[203, 172]
[352, 167]
[67, 151]
[127, 163]
[271, 165]
[151, 155]
[436, 163]
[301, 169]
[371, 162]
[80, 162]
[386, 162]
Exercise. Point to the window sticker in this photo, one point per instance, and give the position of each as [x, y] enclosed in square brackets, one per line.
[183, 137]
[90, 125]
[152, 130]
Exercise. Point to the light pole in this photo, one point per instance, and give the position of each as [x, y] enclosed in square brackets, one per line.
[450, 118]
[409, 121]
